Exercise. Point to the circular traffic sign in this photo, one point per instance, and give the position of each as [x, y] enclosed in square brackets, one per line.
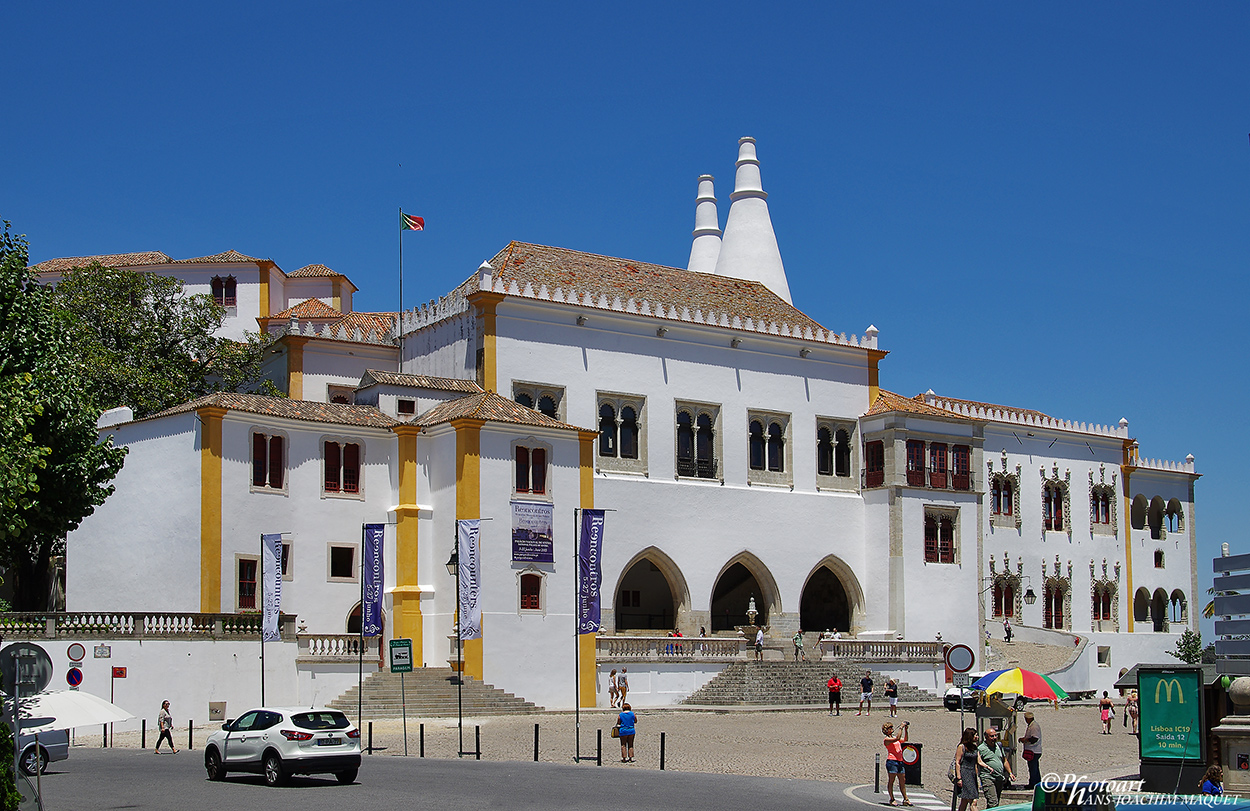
[73, 677]
[960, 658]
[36, 667]
[76, 652]
[910, 754]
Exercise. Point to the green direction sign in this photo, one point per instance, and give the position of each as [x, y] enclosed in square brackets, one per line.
[1171, 714]
[401, 655]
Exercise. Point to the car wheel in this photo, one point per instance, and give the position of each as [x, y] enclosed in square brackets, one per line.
[34, 760]
[348, 776]
[273, 770]
[212, 764]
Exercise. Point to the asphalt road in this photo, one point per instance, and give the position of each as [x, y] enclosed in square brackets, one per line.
[99, 779]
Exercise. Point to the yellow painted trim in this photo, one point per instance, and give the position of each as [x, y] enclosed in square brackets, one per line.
[210, 508]
[1125, 473]
[486, 303]
[589, 672]
[586, 648]
[469, 505]
[295, 367]
[265, 312]
[406, 617]
[874, 375]
[336, 301]
[586, 440]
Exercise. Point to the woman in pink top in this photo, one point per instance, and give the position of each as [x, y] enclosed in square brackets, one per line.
[894, 760]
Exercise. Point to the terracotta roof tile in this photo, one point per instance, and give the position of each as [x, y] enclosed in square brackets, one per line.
[489, 406]
[110, 260]
[218, 258]
[312, 270]
[613, 278]
[372, 376]
[1018, 412]
[310, 308]
[379, 323]
[888, 401]
[303, 410]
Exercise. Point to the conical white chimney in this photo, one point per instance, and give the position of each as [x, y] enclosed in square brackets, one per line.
[706, 246]
[749, 246]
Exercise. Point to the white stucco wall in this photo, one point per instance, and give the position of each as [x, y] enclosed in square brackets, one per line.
[340, 363]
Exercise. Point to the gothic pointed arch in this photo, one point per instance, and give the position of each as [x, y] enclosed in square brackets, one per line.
[832, 597]
[743, 576]
[651, 593]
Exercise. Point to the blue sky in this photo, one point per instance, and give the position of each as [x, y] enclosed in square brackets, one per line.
[1038, 205]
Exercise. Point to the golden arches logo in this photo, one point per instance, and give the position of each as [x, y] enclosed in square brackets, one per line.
[1167, 685]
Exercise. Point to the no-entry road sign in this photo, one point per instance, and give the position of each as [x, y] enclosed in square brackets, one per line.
[960, 658]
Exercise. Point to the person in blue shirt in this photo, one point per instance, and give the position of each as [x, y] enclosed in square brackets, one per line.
[626, 720]
[1213, 781]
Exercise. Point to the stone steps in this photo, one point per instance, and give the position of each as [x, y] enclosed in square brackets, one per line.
[429, 691]
[796, 683]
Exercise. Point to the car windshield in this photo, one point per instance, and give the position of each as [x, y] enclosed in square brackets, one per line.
[320, 720]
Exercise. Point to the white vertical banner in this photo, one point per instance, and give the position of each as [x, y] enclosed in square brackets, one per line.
[468, 534]
[271, 568]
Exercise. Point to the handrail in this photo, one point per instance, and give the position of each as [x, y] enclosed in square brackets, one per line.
[680, 648]
[137, 625]
[886, 650]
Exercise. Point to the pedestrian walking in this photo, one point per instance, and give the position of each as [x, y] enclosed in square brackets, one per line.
[165, 723]
[627, 721]
[613, 691]
[894, 759]
[996, 773]
[1132, 709]
[1106, 710]
[891, 693]
[1031, 748]
[865, 692]
[702, 635]
[797, 639]
[759, 644]
[1212, 782]
[1007, 629]
[967, 764]
[622, 684]
[835, 694]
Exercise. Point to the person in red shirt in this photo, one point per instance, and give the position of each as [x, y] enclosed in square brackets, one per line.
[894, 759]
[835, 694]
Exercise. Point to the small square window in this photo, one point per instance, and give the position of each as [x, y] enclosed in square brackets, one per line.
[406, 407]
[287, 568]
[531, 592]
[343, 563]
[1104, 656]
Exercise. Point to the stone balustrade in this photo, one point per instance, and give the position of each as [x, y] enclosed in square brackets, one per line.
[338, 648]
[136, 625]
[888, 650]
[684, 648]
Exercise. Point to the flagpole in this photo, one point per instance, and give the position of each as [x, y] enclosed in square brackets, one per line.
[577, 657]
[360, 674]
[399, 362]
[262, 619]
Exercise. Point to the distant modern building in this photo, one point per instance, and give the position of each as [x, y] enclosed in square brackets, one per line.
[744, 450]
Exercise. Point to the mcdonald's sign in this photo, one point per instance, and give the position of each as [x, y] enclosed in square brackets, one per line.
[1171, 706]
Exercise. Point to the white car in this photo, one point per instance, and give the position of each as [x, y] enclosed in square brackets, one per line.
[280, 741]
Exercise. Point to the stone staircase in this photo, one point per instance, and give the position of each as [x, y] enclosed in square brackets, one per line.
[791, 683]
[1028, 655]
[430, 692]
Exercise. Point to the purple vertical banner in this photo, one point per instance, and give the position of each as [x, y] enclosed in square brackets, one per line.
[271, 566]
[589, 571]
[371, 602]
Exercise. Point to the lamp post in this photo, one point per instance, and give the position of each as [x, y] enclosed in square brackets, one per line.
[453, 568]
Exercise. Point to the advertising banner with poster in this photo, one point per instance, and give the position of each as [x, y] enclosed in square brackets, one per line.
[271, 565]
[1171, 707]
[532, 532]
[373, 581]
[589, 571]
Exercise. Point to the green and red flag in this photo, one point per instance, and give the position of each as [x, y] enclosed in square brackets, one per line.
[407, 222]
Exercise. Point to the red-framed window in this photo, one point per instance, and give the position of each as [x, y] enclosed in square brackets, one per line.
[342, 466]
[1001, 496]
[1100, 507]
[268, 465]
[998, 600]
[1052, 507]
[874, 463]
[937, 464]
[961, 467]
[939, 539]
[224, 291]
[1052, 607]
[915, 463]
[247, 583]
[531, 592]
[531, 470]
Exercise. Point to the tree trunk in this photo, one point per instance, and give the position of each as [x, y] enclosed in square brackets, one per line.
[30, 592]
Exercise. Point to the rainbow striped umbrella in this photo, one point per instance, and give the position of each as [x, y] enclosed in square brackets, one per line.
[1021, 682]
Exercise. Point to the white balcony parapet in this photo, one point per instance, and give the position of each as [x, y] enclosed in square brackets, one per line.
[888, 650]
[337, 648]
[137, 625]
[669, 648]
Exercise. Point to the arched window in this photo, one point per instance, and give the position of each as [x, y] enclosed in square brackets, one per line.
[824, 452]
[756, 445]
[1001, 495]
[998, 600]
[776, 448]
[607, 430]
[1100, 505]
[1175, 516]
[1137, 515]
[1179, 607]
[1158, 558]
[685, 444]
[524, 399]
[842, 455]
[705, 459]
[1106, 603]
[547, 405]
[1009, 600]
[1053, 614]
[629, 433]
[224, 291]
[531, 592]
[1154, 517]
[1141, 605]
[1052, 507]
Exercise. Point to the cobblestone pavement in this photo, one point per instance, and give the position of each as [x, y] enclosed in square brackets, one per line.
[806, 744]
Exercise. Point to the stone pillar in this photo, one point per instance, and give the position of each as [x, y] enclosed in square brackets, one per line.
[1233, 734]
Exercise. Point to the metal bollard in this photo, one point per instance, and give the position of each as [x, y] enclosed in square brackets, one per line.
[423, 740]
[477, 741]
[876, 778]
[535, 743]
[371, 737]
[143, 733]
[661, 751]
[190, 732]
[104, 744]
[598, 747]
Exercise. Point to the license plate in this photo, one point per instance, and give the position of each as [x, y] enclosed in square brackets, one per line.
[329, 741]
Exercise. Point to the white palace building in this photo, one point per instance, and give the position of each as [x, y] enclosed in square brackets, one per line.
[743, 451]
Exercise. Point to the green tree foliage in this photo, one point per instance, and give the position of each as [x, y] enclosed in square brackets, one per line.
[1188, 648]
[9, 798]
[147, 344]
[60, 471]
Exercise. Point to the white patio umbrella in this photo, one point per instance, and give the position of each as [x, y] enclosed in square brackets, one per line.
[65, 709]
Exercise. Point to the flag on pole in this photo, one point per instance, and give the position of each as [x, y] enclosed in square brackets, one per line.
[589, 573]
[271, 564]
[407, 222]
[371, 605]
[469, 530]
